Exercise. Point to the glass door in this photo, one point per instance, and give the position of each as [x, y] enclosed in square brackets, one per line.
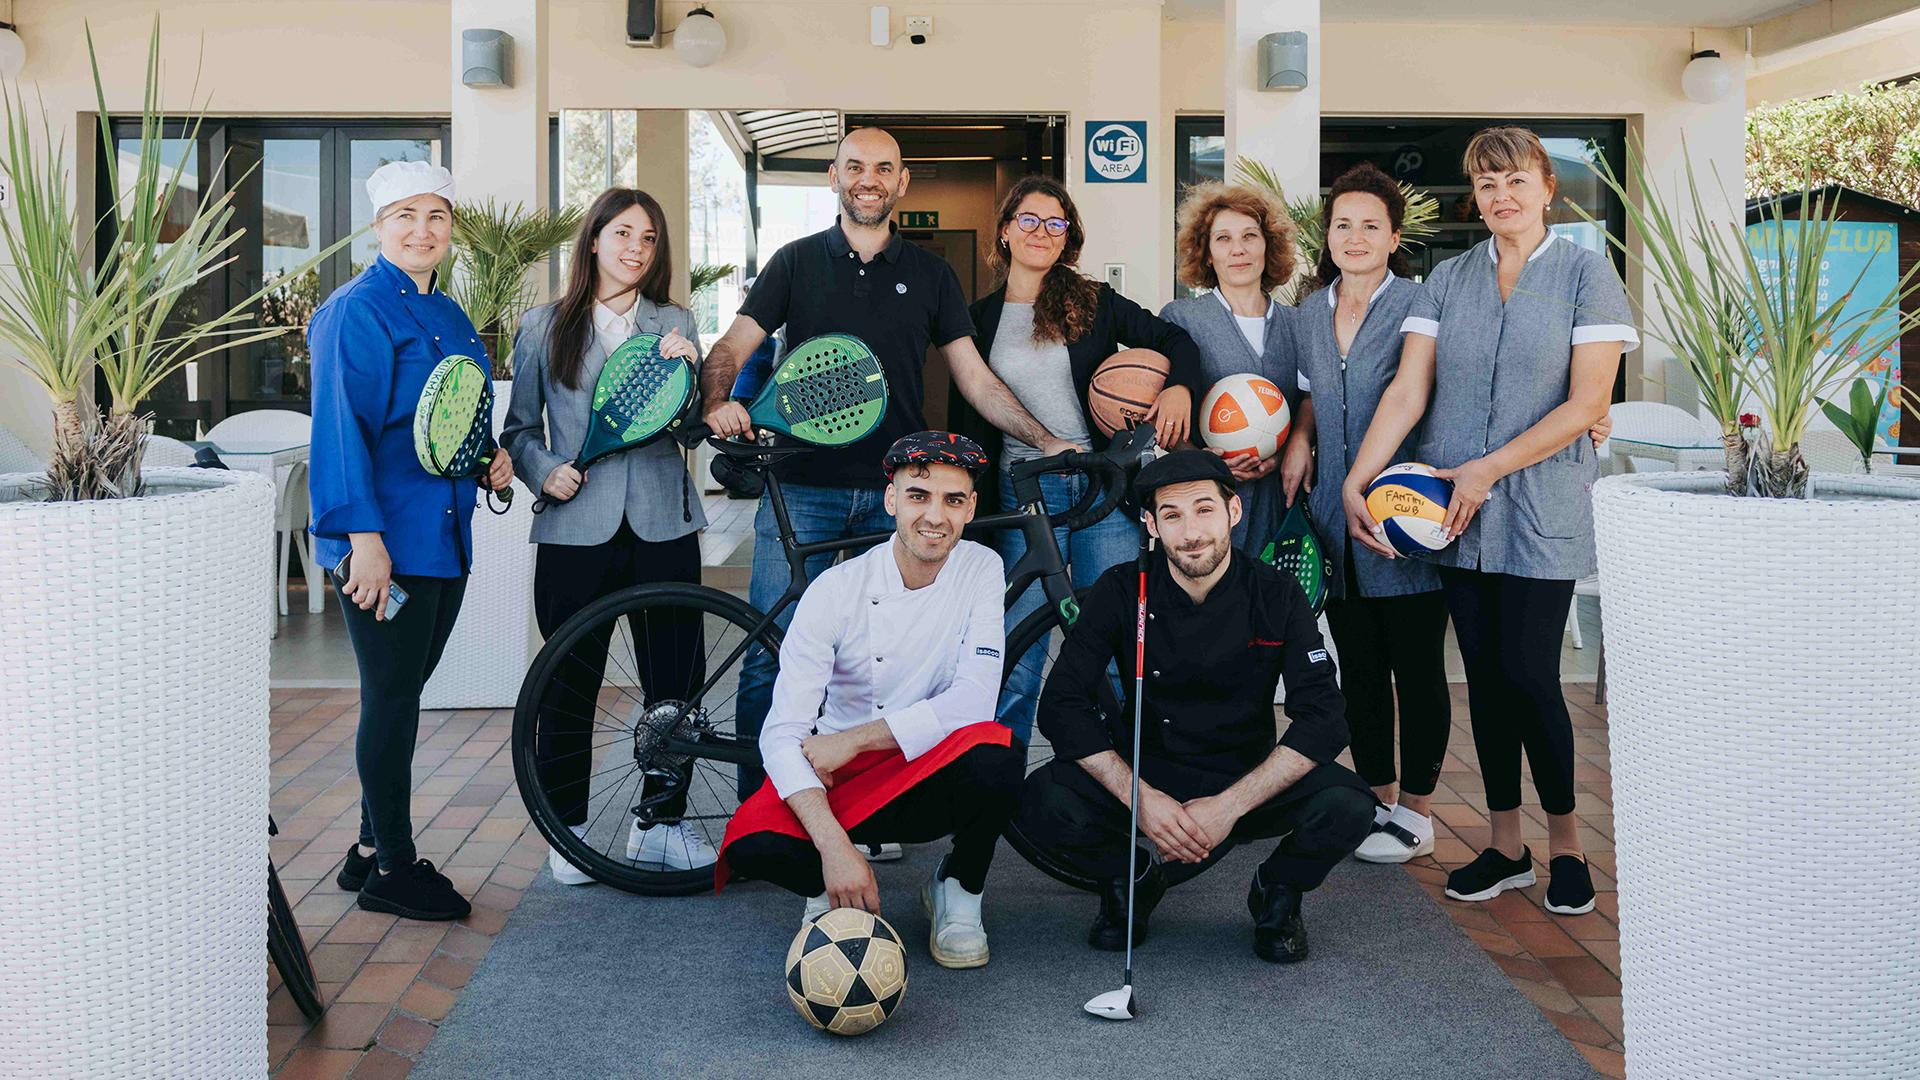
[298, 187]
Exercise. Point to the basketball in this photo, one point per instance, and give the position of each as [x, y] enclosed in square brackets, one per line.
[1124, 386]
[846, 971]
[1245, 416]
[1410, 502]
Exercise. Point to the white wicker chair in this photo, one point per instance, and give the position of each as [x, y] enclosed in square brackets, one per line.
[163, 452]
[292, 511]
[17, 456]
[1658, 422]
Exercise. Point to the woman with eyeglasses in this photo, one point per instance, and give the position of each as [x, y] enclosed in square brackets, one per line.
[1043, 332]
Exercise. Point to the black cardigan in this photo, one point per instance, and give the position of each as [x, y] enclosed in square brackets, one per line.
[1117, 323]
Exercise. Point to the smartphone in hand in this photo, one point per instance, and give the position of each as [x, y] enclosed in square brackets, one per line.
[396, 596]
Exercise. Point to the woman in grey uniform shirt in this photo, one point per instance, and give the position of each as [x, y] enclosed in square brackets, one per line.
[1510, 355]
[631, 518]
[1388, 618]
[1237, 243]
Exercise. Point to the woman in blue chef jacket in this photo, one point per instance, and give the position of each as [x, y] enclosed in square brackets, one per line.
[374, 342]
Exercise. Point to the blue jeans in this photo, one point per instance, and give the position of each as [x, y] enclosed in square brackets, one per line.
[1090, 552]
[817, 514]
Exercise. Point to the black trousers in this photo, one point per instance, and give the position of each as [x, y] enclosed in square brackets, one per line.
[668, 662]
[395, 658]
[1509, 630]
[1389, 645]
[970, 800]
[1072, 819]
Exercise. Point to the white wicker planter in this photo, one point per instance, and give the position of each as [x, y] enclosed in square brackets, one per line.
[1765, 773]
[494, 641]
[133, 780]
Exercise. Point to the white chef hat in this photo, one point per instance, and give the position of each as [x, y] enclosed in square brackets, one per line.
[398, 180]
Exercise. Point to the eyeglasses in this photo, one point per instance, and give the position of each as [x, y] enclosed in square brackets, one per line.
[1056, 226]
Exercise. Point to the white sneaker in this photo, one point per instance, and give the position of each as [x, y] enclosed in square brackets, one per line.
[1404, 835]
[563, 871]
[816, 907]
[957, 940]
[672, 847]
[881, 852]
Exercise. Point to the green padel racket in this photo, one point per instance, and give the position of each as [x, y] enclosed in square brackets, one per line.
[1296, 549]
[639, 396]
[827, 391]
[453, 423]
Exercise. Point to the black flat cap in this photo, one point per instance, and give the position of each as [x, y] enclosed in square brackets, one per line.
[1179, 467]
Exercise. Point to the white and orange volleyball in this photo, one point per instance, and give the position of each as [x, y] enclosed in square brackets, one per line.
[1245, 416]
[1410, 503]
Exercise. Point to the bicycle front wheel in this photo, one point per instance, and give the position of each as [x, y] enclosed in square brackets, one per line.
[1046, 627]
[288, 950]
[624, 740]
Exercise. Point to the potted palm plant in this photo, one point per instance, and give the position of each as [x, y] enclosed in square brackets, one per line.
[133, 734]
[494, 248]
[1761, 689]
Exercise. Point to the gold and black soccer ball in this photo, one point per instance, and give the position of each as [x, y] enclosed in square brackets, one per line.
[846, 971]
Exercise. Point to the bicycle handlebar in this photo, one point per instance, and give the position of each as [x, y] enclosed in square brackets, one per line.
[1110, 470]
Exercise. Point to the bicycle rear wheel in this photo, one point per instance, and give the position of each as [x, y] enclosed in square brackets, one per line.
[288, 950]
[627, 720]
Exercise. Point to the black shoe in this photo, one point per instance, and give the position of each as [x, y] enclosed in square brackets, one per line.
[1109, 933]
[1279, 933]
[353, 873]
[416, 891]
[1490, 875]
[1570, 887]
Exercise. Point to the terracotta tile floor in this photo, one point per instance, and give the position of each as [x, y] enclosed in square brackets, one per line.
[388, 983]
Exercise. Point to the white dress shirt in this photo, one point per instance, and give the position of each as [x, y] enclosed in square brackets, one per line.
[611, 328]
[865, 647]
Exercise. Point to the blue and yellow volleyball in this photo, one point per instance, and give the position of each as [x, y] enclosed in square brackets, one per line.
[1410, 502]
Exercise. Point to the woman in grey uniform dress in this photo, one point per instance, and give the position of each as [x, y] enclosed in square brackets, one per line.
[1237, 243]
[1388, 618]
[1510, 355]
[629, 519]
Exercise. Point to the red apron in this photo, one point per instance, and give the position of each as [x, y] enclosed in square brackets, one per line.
[860, 789]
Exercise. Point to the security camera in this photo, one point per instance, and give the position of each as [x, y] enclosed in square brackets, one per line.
[919, 29]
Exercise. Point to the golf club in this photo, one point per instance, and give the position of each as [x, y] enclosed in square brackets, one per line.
[1119, 1004]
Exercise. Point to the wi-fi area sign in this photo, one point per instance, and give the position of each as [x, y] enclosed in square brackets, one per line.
[1116, 151]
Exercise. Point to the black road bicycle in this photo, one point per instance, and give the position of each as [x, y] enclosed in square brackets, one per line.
[286, 948]
[621, 746]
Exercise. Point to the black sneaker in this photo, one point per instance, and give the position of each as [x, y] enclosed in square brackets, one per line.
[415, 891]
[353, 873]
[1569, 886]
[1279, 933]
[1109, 931]
[1490, 875]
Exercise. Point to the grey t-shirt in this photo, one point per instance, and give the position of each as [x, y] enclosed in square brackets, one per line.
[1040, 375]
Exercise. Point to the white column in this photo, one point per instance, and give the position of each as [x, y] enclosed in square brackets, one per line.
[1280, 128]
[500, 132]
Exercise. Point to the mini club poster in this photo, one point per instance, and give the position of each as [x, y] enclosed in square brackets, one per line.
[1863, 256]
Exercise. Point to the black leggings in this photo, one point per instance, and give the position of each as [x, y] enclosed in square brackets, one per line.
[1509, 630]
[1392, 644]
[395, 658]
[970, 799]
[668, 659]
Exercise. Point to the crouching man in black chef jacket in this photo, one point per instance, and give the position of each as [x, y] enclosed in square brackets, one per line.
[1222, 630]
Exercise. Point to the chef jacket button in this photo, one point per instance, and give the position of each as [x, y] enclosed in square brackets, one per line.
[1149, 616]
[1155, 674]
[876, 600]
[877, 659]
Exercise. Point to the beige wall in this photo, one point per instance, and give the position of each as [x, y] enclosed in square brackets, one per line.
[660, 170]
[1872, 57]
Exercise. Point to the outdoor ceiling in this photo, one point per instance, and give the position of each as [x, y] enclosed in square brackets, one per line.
[784, 131]
[1531, 12]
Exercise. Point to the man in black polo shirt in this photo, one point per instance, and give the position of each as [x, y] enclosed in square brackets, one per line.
[858, 277]
[1222, 630]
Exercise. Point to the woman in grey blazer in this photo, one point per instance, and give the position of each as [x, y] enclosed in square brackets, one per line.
[1510, 355]
[1237, 243]
[632, 518]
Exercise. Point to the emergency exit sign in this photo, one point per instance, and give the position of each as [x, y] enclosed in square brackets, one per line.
[919, 219]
